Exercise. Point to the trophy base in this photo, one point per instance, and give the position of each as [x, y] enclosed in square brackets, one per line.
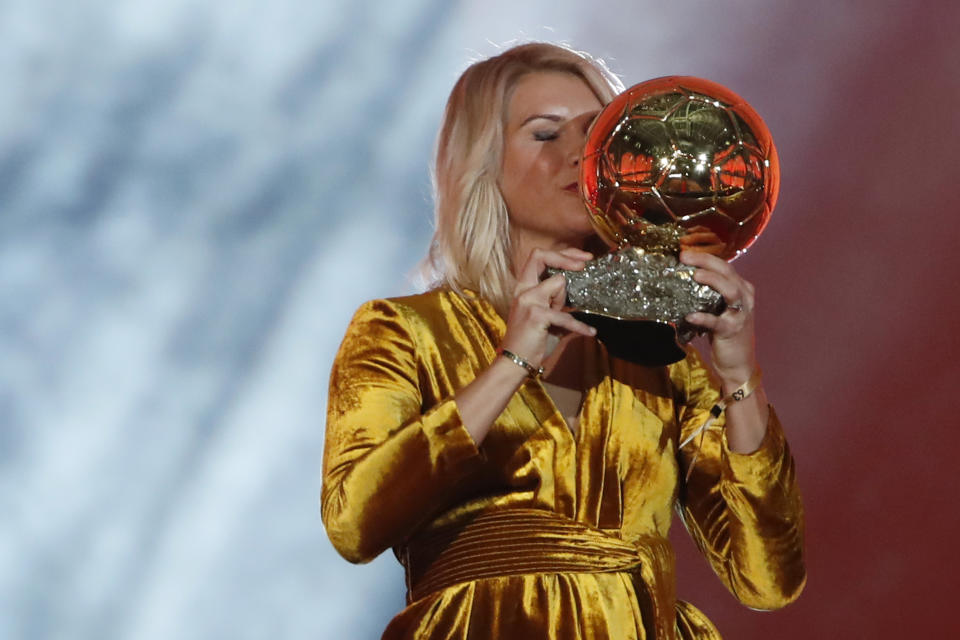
[638, 302]
[644, 342]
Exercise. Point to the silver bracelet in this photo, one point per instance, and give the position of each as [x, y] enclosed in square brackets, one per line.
[532, 371]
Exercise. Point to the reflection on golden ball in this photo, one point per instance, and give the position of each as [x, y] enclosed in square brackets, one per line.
[680, 162]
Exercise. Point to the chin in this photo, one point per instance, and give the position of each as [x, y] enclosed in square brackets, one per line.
[574, 221]
[580, 226]
[575, 235]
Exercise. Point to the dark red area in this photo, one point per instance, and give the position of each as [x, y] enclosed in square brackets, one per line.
[858, 319]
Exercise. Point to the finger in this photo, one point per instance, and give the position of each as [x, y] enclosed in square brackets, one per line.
[570, 255]
[570, 258]
[709, 261]
[559, 298]
[695, 238]
[706, 320]
[579, 254]
[746, 302]
[719, 274]
[729, 289]
[543, 293]
[568, 322]
[722, 326]
[747, 299]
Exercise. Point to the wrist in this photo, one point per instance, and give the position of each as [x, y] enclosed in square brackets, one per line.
[533, 370]
[732, 379]
[732, 395]
[508, 371]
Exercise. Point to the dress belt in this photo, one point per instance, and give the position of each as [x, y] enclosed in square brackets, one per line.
[511, 542]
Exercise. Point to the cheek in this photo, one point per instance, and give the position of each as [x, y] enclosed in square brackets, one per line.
[518, 175]
[516, 160]
[511, 187]
[529, 172]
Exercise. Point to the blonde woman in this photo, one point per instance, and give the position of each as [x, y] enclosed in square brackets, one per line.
[524, 478]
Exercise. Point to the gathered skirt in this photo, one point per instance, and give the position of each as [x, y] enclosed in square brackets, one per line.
[557, 606]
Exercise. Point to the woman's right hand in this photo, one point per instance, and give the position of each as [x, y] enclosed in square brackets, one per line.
[537, 304]
[536, 309]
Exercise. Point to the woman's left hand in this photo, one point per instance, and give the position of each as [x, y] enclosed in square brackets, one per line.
[731, 333]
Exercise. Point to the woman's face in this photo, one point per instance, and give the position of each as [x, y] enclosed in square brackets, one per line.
[547, 120]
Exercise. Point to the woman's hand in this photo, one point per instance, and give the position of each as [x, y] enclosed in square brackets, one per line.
[535, 310]
[732, 347]
[537, 304]
[731, 333]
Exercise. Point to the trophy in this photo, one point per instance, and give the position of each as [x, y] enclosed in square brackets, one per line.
[675, 163]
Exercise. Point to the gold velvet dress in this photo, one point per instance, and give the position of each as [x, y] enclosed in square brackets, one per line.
[540, 533]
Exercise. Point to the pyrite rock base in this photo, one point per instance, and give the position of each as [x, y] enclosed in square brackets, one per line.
[638, 301]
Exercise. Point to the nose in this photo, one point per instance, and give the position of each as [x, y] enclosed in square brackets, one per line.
[578, 137]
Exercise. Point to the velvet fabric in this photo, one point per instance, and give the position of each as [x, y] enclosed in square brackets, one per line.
[540, 532]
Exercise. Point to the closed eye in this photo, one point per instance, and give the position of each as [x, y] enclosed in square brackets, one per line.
[544, 136]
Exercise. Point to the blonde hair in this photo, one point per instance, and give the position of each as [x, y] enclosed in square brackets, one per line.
[471, 247]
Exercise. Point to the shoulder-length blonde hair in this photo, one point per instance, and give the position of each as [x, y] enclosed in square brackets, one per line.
[471, 248]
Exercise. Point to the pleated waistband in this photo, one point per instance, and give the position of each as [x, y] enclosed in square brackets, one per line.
[515, 542]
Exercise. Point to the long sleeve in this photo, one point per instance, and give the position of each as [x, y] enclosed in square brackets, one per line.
[389, 462]
[743, 510]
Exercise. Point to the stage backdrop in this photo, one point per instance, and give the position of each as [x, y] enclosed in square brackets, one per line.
[195, 196]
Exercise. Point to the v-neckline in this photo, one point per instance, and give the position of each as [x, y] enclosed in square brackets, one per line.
[595, 368]
[548, 387]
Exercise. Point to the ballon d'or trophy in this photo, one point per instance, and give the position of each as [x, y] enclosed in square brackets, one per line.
[675, 163]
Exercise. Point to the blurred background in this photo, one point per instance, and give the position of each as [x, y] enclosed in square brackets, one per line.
[195, 196]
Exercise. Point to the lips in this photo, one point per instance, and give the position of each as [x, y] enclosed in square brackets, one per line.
[573, 187]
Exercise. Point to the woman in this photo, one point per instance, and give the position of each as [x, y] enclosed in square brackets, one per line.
[536, 504]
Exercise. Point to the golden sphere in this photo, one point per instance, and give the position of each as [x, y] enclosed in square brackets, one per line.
[680, 163]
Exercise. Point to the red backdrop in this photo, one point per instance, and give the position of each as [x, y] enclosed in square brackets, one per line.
[858, 324]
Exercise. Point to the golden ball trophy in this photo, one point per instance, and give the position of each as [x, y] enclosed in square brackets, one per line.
[675, 163]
